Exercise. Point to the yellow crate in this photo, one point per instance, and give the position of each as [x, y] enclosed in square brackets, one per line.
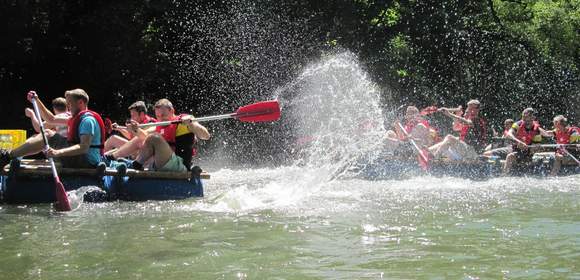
[12, 138]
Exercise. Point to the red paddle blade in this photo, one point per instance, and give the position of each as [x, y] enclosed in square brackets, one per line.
[423, 158]
[62, 203]
[265, 111]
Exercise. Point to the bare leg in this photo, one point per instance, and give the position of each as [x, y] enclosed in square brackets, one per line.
[442, 146]
[157, 148]
[33, 145]
[114, 142]
[509, 162]
[557, 164]
[128, 149]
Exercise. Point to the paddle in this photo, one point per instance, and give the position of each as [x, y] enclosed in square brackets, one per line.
[264, 111]
[62, 203]
[434, 109]
[570, 155]
[422, 155]
[551, 145]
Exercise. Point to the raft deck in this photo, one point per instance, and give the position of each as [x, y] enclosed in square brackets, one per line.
[31, 181]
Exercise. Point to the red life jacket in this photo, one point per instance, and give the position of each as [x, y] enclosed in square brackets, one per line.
[183, 145]
[409, 126]
[149, 119]
[73, 129]
[475, 135]
[563, 137]
[527, 136]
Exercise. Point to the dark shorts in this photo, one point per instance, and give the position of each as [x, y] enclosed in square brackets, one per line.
[58, 142]
[523, 155]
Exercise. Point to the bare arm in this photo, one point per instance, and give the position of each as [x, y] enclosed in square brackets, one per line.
[124, 132]
[58, 121]
[196, 128]
[134, 128]
[29, 113]
[45, 114]
[463, 120]
[512, 136]
[546, 133]
[74, 150]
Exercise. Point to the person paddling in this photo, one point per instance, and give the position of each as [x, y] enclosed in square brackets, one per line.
[416, 126]
[54, 121]
[138, 113]
[472, 135]
[170, 148]
[564, 134]
[523, 132]
[83, 146]
[501, 149]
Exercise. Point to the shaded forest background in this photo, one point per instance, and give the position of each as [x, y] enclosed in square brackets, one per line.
[212, 56]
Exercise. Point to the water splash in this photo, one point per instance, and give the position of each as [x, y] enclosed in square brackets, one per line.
[331, 118]
[75, 197]
[333, 112]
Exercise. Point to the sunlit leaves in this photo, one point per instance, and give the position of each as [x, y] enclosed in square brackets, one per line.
[387, 17]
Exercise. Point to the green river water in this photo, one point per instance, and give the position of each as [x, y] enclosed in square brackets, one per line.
[297, 222]
[277, 224]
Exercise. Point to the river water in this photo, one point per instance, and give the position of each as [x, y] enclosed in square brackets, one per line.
[310, 219]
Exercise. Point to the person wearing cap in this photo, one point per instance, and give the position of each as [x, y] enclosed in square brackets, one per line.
[524, 133]
[138, 113]
[473, 136]
[564, 135]
[168, 148]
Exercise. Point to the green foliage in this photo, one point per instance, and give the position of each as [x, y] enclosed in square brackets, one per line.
[509, 53]
[150, 33]
[552, 26]
[387, 17]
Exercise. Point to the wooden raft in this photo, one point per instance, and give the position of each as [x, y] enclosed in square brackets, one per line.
[40, 167]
